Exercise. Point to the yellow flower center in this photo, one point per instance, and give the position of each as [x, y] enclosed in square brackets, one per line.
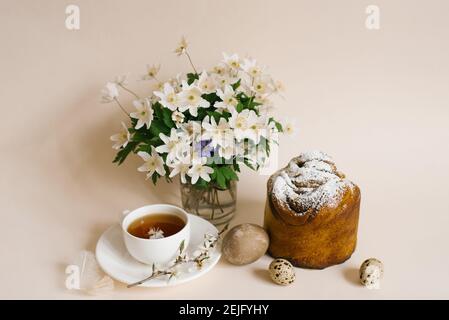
[240, 123]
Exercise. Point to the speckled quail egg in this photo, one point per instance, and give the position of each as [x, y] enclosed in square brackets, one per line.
[282, 272]
[371, 271]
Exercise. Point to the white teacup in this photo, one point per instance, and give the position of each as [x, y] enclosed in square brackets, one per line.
[159, 251]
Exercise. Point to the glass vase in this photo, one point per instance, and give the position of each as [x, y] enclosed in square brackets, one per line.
[211, 203]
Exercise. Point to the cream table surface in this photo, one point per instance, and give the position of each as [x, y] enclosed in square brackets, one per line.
[376, 100]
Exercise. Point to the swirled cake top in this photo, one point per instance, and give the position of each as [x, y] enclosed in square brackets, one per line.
[308, 183]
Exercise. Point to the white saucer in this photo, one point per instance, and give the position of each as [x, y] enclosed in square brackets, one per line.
[116, 262]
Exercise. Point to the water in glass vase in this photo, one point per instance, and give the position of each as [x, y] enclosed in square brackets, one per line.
[211, 203]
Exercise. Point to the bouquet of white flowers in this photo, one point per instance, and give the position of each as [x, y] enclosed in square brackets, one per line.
[200, 126]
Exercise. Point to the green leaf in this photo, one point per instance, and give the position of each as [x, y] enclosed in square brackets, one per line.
[239, 107]
[221, 180]
[265, 145]
[213, 175]
[157, 108]
[236, 84]
[202, 112]
[166, 117]
[154, 177]
[157, 127]
[144, 147]
[229, 173]
[249, 165]
[191, 77]
[201, 184]
[215, 114]
[277, 124]
[141, 136]
[226, 115]
[211, 97]
[124, 152]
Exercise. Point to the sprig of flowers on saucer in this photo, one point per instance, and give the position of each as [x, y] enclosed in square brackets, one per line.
[198, 258]
[199, 126]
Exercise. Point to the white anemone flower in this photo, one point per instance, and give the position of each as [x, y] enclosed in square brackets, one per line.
[153, 163]
[152, 71]
[242, 123]
[199, 170]
[143, 114]
[266, 105]
[206, 83]
[169, 98]
[250, 67]
[179, 166]
[289, 127]
[263, 85]
[259, 128]
[176, 82]
[158, 86]
[220, 134]
[223, 81]
[122, 138]
[191, 99]
[260, 86]
[233, 60]
[121, 80]
[226, 152]
[182, 47]
[172, 144]
[109, 93]
[220, 69]
[228, 98]
[192, 130]
[278, 86]
[177, 117]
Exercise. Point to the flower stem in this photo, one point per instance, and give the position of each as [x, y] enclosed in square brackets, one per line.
[218, 201]
[153, 275]
[212, 203]
[121, 107]
[191, 63]
[130, 91]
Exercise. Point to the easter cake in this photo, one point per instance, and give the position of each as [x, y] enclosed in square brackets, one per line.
[312, 212]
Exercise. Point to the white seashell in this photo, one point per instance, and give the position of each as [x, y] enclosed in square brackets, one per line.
[282, 272]
[371, 272]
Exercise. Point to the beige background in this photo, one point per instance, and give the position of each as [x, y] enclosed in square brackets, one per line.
[375, 100]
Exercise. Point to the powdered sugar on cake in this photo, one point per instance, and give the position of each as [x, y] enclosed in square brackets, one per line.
[310, 182]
